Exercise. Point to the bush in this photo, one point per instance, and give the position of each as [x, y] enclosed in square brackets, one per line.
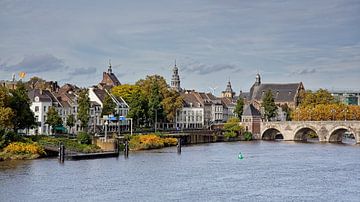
[248, 136]
[169, 141]
[230, 134]
[83, 138]
[152, 141]
[24, 148]
[7, 137]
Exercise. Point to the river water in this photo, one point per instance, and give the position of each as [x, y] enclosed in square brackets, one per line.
[269, 171]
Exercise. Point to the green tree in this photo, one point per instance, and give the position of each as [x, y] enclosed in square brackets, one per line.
[70, 121]
[239, 108]
[20, 105]
[232, 128]
[135, 98]
[84, 108]
[108, 106]
[6, 113]
[155, 108]
[269, 105]
[285, 108]
[53, 118]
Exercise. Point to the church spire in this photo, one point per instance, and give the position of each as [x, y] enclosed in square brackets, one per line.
[109, 69]
[175, 80]
[257, 79]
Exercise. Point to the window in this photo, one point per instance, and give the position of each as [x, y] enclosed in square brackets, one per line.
[36, 108]
[44, 108]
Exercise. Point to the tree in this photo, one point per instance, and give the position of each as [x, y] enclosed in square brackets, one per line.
[155, 108]
[108, 106]
[269, 105]
[239, 108]
[20, 104]
[285, 108]
[135, 98]
[321, 96]
[70, 121]
[84, 108]
[6, 113]
[53, 118]
[232, 128]
[171, 103]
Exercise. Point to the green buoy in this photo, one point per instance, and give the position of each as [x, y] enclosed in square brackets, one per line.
[240, 156]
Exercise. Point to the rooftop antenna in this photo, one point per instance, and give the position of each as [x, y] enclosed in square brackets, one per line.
[13, 77]
[213, 89]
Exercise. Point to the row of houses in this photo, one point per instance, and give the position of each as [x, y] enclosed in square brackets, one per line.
[64, 99]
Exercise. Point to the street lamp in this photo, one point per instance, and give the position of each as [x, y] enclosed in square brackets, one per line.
[106, 124]
[345, 113]
[333, 111]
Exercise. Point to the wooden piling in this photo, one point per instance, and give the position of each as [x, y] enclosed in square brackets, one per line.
[61, 152]
[126, 149]
[179, 145]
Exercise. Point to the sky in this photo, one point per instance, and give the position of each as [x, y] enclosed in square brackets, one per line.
[314, 42]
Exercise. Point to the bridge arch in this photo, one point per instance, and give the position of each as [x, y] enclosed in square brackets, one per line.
[271, 134]
[337, 133]
[301, 133]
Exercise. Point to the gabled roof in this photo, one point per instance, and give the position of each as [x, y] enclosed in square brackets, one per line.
[250, 110]
[43, 97]
[190, 100]
[281, 92]
[228, 102]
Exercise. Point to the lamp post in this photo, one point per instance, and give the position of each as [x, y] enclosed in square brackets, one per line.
[106, 124]
[155, 119]
[345, 113]
[333, 111]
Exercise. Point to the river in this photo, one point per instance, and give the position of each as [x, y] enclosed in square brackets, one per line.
[269, 171]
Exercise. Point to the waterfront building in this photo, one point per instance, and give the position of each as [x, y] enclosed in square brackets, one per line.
[251, 119]
[347, 97]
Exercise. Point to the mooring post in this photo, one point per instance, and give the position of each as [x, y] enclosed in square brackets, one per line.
[126, 149]
[61, 152]
[179, 145]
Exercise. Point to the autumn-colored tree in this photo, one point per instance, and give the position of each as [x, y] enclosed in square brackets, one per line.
[6, 113]
[172, 102]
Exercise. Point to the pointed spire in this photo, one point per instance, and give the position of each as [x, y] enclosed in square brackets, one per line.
[109, 70]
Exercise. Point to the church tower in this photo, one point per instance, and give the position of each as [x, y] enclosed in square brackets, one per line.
[228, 91]
[257, 80]
[175, 80]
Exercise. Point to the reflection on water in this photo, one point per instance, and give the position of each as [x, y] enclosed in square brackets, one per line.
[270, 171]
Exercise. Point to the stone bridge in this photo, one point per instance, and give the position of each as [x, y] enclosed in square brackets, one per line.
[327, 131]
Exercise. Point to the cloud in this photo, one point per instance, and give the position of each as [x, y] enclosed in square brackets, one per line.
[36, 64]
[306, 71]
[203, 69]
[83, 71]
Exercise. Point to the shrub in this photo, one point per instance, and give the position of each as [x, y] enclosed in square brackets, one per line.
[230, 134]
[7, 137]
[24, 148]
[151, 141]
[248, 136]
[83, 138]
[169, 141]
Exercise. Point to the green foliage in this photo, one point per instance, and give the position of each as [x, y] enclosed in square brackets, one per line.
[285, 108]
[84, 108]
[7, 137]
[83, 138]
[69, 144]
[53, 118]
[247, 136]
[312, 99]
[70, 121]
[239, 108]
[269, 105]
[155, 108]
[20, 105]
[135, 98]
[108, 106]
[233, 125]
[230, 134]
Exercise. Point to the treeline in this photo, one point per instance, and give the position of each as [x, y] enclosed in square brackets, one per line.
[149, 99]
[322, 106]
